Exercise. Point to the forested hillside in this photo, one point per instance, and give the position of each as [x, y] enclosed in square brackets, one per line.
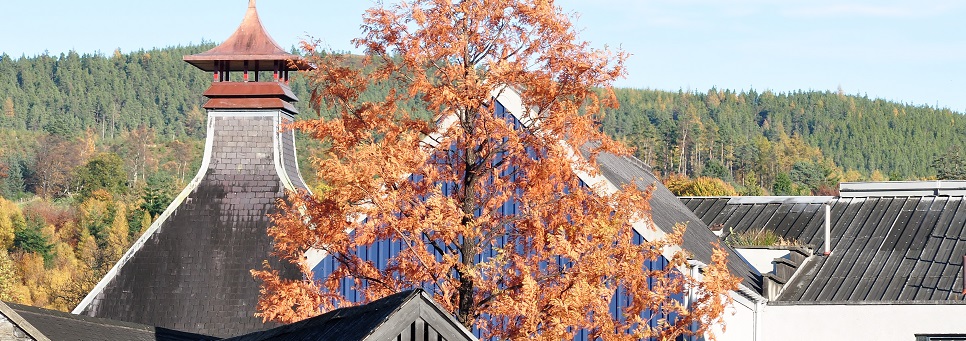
[93, 147]
[793, 143]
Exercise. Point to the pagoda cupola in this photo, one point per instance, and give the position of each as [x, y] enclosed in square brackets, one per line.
[249, 51]
[190, 271]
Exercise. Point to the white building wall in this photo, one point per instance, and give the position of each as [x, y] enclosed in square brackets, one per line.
[859, 322]
[739, 321]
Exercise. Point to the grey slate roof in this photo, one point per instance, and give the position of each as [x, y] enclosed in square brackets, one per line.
[408, 315]
[885, 249]
[192, 273]
[14, 327]
[61, 326]
[798, 218]
[667, 210]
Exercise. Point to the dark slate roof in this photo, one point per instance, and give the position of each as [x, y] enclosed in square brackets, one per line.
[192, 273]
[667, 210]
[797, 218]
[408, 315]
[15, 327]
[885, 249]
[61, 326]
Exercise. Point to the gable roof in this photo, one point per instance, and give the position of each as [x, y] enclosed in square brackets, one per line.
[409, 314]
[57, 325]
[668, 210]
[885, 248]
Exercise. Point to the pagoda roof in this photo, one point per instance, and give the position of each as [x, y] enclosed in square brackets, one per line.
[250, 42]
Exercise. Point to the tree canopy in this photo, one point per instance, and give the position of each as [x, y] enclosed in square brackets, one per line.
[546, 270]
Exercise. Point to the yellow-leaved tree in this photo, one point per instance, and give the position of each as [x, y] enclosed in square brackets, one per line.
[545, 269]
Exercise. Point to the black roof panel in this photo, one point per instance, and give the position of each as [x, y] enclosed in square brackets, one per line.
[884, 248]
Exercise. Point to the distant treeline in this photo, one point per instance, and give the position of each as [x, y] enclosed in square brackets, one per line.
[731, 135]
[770, 138]
[92, 147]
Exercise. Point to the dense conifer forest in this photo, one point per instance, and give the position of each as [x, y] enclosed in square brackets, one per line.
[94, 146]
[788, 143]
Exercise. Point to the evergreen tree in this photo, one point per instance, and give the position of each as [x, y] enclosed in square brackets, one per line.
[950, 165]
[782, 185]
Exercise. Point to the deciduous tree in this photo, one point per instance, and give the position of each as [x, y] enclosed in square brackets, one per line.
[117, 236]
[437, 187]
[7, 277]
[11, 219]
[702, 186]
[54, 165]
[103, 171]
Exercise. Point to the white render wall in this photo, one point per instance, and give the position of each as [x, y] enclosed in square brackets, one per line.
[859, 322]
[739, 321]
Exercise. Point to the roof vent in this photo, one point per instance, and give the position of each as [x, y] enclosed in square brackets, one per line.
[902, 188]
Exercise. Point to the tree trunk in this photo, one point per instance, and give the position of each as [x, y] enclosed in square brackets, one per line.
[466, 307]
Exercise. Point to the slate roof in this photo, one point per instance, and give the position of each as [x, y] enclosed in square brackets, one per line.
[61, 326]
[191, 273]
[408, 315]
[885, 248]
[667, 210]
[14, 327]
[797, 218]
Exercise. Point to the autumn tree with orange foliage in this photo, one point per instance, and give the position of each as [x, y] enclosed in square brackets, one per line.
[545, 271]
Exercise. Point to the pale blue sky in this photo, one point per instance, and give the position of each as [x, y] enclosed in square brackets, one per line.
[908, 51]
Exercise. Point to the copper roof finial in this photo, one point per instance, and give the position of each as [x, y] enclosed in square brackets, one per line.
[250, 42]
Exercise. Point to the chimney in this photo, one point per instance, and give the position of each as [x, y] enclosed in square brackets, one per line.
[828, 227]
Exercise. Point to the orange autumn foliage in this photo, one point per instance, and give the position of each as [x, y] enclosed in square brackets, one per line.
[558, 260]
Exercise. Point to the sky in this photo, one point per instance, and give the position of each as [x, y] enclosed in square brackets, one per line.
[907, 51]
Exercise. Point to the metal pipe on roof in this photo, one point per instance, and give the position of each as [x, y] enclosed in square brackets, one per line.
[828, 227]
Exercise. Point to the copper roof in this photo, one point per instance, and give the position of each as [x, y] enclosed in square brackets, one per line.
[250, 42]
[249, 90]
